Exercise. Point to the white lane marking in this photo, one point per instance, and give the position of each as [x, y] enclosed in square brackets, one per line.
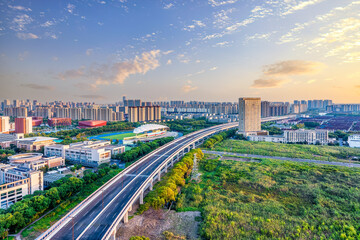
[121, 192]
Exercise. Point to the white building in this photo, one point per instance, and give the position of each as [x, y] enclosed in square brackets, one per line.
[89, 153]
[267, 138]
[17, 182]
[295, 136]
[354, 141]
[308, 136]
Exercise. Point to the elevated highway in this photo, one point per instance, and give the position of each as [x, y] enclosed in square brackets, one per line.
[98, 216]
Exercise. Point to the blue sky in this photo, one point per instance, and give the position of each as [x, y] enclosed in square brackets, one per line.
[212, 50]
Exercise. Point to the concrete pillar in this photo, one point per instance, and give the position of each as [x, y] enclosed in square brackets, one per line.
[159, 175]
[151, 186]
[113, 235]
[126, 217]
[130, 208]
[166, 169]
[141, 197]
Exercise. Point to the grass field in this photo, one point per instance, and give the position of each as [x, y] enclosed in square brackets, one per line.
[119, 136]
[287, 150]
[274, 200]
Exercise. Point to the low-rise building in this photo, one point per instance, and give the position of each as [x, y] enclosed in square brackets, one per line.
[354, 141]
[34, 143]
[17, 182]
[267, 138]
[7, 139]
[295, 136]
[36, 161]
[307, 136]
[88, 153]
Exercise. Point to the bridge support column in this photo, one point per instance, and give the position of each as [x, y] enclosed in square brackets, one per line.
[166, 169]
[113, 235]
[142, 197]
[130, 208]
[126, 217]
[151, 186]
[159, 175]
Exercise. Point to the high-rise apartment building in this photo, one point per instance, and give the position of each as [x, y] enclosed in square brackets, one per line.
[265, 109]
[16, 112]
[4, 124]
[23, 125]
[249, 115]
[44, 112]
[144, 114]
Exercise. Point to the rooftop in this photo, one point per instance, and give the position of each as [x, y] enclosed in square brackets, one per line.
[37, 139]
[149, 127]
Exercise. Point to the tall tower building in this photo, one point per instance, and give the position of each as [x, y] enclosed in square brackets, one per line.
[249, 115]
[23, 125]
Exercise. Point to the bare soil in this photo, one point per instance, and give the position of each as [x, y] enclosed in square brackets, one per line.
[153, 223]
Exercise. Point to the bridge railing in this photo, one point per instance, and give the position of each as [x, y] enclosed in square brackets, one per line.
[143, 186]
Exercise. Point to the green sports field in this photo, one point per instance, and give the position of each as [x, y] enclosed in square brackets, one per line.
[119, 136]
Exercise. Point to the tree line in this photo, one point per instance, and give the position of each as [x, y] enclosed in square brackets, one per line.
[168, 188]
[211, 142]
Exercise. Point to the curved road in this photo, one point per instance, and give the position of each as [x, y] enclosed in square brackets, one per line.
[95, 219]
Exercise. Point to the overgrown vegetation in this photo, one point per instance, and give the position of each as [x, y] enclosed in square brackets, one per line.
[331, 153]
[189, 125]
[165, 191]
[211, 142]
[274, 200]
[35, 205]
[142, 149]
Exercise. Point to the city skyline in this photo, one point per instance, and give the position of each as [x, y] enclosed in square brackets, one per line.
[98, 51]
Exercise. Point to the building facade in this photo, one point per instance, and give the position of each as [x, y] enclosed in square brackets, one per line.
[23, 125]
[249, 115]
[17, 182]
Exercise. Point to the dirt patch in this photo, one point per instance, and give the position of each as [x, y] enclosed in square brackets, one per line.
[153, 223]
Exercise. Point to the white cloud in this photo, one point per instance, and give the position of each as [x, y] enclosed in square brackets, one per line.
[70, 8]
[189, 87]
[25, 36]
[20, 8]
[47, 24]
[116, 73]
[168, 6]
[213, 68]
[299, 6]
[217, 3]
[260, 36]
[169, 62]
[89, 51]
[196, 23]
[19, 22]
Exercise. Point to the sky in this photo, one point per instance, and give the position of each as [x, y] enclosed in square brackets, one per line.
[161, 50]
